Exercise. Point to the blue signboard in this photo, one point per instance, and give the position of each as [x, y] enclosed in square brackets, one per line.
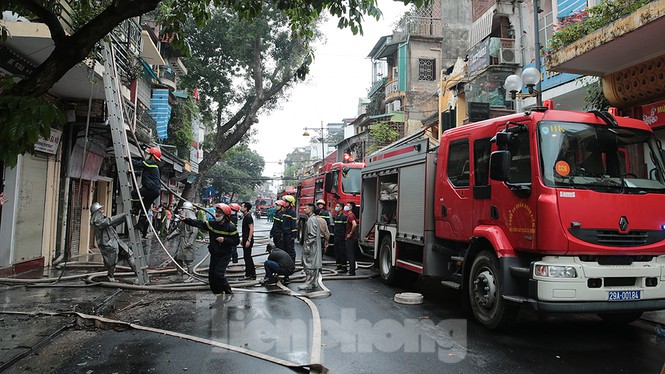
[160, 111]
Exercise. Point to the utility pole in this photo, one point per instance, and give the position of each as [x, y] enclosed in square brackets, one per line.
[536, 33]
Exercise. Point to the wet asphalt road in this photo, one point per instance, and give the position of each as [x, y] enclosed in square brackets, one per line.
[363, 331]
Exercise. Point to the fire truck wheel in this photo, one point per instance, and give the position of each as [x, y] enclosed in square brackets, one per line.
[620, 317]
[485, 290]
[388, 271]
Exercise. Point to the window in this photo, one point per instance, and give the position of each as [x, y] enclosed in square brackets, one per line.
[458, 163]
[520, 163]
[481, 160]
[426, 69]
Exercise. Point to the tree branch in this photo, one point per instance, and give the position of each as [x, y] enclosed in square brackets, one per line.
[49, 18]
[76, 47]
[257, 68]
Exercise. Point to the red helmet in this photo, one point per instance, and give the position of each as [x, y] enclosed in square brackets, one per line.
[155, 151]
[235, 207]
[224, 208]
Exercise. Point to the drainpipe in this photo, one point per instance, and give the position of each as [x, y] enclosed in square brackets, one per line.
[65, 204]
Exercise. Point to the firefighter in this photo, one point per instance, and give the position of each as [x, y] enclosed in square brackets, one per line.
[151, 184]
[289, 226]
[110, 245]
[223, 240]
[184, 254]
[235, 207]
[276, 230]
[340, 242]
[324, 213]
[311, 252]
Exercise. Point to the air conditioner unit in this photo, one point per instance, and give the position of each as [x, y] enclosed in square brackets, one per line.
[509, 56]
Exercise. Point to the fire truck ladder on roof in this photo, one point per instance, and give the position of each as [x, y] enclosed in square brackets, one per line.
[121, 150]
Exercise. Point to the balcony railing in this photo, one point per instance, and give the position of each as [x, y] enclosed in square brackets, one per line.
[419, 26]
[377, 86]
[146, 127]
[392, 88]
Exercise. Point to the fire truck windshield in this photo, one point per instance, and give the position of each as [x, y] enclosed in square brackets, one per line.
[351, 182]
[579, 155]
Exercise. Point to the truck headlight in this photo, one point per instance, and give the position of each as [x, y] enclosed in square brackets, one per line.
[555, 271]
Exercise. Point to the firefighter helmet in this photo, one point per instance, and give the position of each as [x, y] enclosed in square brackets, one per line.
[290, 199]
[234, 206]
[187, 205]
[320, 201]
[95, 207]
[224, 208]
[156, 152]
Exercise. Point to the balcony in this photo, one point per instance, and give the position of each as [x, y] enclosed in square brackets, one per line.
[178, 66]
[419, 26]
[629, 41]
[392, 91]
[146, 127]
[167, 76]
[127, 42]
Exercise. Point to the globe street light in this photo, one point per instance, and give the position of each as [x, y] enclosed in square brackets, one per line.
[323, 150]
[530, 78]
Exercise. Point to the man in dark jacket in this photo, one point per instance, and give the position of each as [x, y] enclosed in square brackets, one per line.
[289, 226]
[151, 184]
[278, 263]
[340, 241]
[276, 230]
[223, 240]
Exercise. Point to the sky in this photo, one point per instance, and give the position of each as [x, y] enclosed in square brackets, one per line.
[339, 76]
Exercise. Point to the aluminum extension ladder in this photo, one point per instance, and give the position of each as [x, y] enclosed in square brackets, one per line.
[121, 149]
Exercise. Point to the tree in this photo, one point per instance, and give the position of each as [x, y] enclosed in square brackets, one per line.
[94, 19]
[239, 172]
[241, 68]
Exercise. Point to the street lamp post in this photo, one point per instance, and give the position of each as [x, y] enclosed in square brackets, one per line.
[536, 33]
[323, 149]
[530, 76]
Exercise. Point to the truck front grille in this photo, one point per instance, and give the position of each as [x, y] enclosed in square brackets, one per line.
[613, 238]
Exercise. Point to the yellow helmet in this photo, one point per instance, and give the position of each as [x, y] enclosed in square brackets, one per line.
[290, 199]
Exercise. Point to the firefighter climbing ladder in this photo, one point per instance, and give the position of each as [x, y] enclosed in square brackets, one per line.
[121, 150]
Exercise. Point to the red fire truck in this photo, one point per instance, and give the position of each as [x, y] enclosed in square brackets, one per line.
[262, 206]
[338, 181]
[562, 211]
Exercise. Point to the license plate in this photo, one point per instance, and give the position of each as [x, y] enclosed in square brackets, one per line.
[624, 295]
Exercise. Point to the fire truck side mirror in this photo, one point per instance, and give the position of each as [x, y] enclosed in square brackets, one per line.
[500, 165]
[503, 139]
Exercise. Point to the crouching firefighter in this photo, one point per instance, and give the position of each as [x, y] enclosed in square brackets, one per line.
[110, 245]
[184, 254]
[223, 240]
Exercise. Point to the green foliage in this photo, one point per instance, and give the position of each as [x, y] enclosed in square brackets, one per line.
[180, 126]
[239, 171]
[583, 23]
[22, 121]
[71, 29]
[376, 106]
[382, 133]
[224, 73]
[594, 98]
